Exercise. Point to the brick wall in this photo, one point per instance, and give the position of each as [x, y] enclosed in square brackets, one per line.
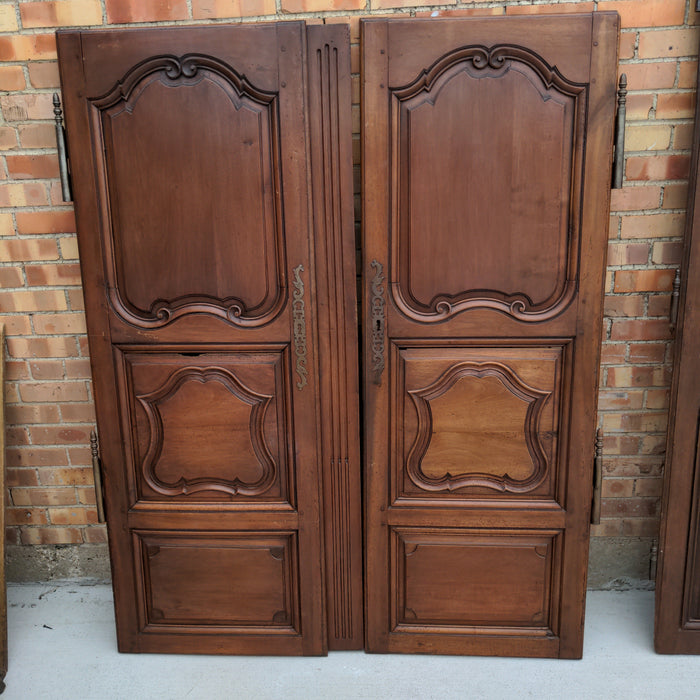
[49, 396]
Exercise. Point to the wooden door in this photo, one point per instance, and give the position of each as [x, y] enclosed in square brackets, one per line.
[486, 175]
[191, 167]
[677, 622]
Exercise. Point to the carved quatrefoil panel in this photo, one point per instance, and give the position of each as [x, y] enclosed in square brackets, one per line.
[207, 433]
[478, 425]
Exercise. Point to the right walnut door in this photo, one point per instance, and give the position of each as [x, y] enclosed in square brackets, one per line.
[486, 151]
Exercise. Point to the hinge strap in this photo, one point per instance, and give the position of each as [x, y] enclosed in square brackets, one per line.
[97, 474]
[63, 167]
[597, 477]
[619, 164]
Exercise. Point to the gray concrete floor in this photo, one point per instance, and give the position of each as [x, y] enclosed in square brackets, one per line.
[62, 645]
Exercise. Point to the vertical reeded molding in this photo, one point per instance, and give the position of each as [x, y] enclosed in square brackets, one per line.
[331, 162]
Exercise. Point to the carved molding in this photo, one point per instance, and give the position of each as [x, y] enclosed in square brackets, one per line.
[258, 403]
[377, 321]
[421, 398]
[191, 69]
[299, 321]
[428, 84]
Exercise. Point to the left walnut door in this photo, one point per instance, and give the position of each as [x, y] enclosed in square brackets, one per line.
[189, 159]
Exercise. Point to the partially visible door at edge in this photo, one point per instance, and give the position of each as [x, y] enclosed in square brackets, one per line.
[486, 171]
[189, 159]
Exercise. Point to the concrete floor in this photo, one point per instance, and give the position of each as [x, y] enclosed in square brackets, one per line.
[62, 646]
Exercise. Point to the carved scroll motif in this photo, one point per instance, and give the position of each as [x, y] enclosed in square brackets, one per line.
[299, 317]
[378, 321]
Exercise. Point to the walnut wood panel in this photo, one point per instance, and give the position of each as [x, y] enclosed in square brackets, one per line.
[237, 403]
[677, 620]
[478, 421]
[193, 168]
[334, 236]
[256, 592]
[486, 568]
[3, 582]
[486, 170]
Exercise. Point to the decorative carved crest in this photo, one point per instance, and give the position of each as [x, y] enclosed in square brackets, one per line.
[449, 482]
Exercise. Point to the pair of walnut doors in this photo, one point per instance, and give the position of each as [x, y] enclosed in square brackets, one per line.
[212, 172]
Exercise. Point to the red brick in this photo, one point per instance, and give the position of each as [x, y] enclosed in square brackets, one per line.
[72, 516]
[78, 369]
[659, 305]
[653, 226]
[16, 370]
[657, 398]
[608, 527]
[627, 43]
[62, 275]
[653, 445]
[676, 196]
[634, 466]
[36, 456]
[683, 137]
[612, 353]
[620, 400]
[624, 329]
[559, 8]
[86, 495]
[12, 78]
[44, 222]
[214, 9]
[644, 280]
[28, 47]
[21, 477]
[675, 167]
[47, 369]
[80, 456]
[44, 74]
[8, 138]
[641, 527]
[19, 108]
[59, 324]
[35, 300]
[639, 107]
[64, 13]
[637, 376]
[628, 254]
[650, 13]
[39, 413]
[26, 516]
[51, 535]
[72, 476]
[617, 488]
[37, 135]
[647, 137]
[43, 496]
[624, 305]
[77, 412]
[16, 325]
[649, 76]
[32, 167]
[49, 392]
[647, 352]
[16, 435]
[20, 251]
[11, 277]
[667, 252]
[95, 535]
[680, 105]
[125, 11]
[630, 198]
[688, 74]
[25, 194]
[630, 507]
[671, 42]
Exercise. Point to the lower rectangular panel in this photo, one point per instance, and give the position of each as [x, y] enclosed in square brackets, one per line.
[227, 589]
[461, 587]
